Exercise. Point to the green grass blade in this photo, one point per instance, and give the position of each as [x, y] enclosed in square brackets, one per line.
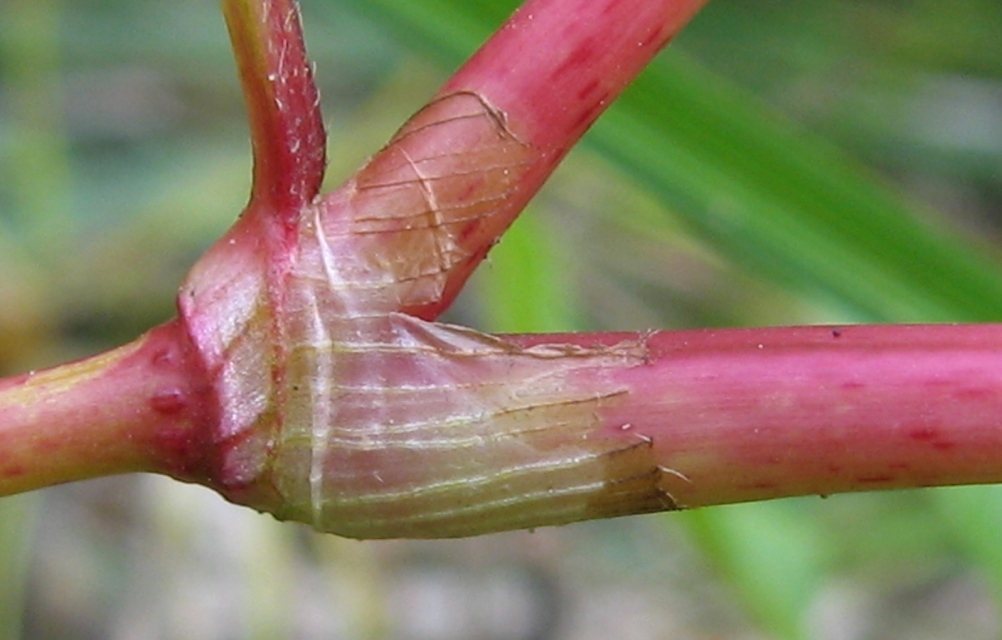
[972, 516]
[771, 554]
[788, 205]
[523, 286]
[17, 520]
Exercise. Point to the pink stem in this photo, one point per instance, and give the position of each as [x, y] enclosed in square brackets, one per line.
[706, 417]
[140, 407]
[456, 176]
[283, 104]
[752, 414]
[552, 70]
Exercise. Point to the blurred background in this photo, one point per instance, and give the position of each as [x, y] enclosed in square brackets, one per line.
[783, 162]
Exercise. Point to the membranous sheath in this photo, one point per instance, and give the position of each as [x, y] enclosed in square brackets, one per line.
[396, 427]
[374, 423]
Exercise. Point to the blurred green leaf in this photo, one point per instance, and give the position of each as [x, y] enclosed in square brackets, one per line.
[17, 519]
[523, 286]
[973, 516]
[789, 205]
[771, 554]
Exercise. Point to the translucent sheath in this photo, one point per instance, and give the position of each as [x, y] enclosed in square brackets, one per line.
[346, 414]
[395, 427]
[415, 429]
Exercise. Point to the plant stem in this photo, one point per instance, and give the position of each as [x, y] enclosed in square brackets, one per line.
[303, 378]
[455, 177]
[752, 414]
[732, 415]
[283, 103]
[552, 70]
[556, 65]
[130, 409]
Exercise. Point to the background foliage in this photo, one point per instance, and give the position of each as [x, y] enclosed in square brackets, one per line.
[833, 161]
